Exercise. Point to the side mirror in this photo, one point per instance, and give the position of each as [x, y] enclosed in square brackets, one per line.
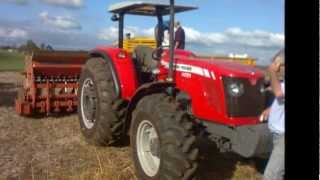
[115, 17]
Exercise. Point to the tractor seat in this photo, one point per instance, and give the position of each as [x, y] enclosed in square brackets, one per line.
[142, 58]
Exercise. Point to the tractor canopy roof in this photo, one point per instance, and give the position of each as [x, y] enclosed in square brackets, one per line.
[147, 7]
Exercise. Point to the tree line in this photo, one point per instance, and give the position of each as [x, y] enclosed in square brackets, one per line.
[29, 46]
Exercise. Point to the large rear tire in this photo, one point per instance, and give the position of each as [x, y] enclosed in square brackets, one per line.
[162, 142]
[100, 111]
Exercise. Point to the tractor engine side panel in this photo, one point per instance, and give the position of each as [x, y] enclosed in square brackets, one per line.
[124, 68]
[205, 94]
[206, 85]
[206, 91]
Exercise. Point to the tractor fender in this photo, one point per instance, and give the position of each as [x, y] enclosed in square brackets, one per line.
[142, 91]
[122, 68]
[107, 58]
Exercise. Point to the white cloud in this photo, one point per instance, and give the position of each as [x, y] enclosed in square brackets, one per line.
[198, 37]
[60, 22]
[13, 33]
[148, 32]
[65, 3]
[111, 33]
[237, 36]
[257, 38]
[192, 35]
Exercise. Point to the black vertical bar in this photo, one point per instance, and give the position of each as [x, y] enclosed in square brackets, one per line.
[171, 45]
[120, 40]
[160, 30]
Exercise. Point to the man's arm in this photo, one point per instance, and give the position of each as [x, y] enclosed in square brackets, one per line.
[275, 83]
[177, 44]
[276, 86]
[264, 115]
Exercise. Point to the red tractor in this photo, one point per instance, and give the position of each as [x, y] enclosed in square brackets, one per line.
[162, 98]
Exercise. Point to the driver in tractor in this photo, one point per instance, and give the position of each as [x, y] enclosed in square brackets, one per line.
[164, 37]
[145, 56]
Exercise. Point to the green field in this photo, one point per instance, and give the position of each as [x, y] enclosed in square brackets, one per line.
[11, 61]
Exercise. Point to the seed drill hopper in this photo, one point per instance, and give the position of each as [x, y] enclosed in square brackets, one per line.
[51, 82]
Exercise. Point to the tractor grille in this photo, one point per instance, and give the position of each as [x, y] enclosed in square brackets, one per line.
[251, 103]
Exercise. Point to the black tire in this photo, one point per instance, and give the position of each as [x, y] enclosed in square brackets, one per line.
[108, 110]
[178, 153]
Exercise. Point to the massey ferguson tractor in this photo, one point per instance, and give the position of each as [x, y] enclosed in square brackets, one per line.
[164, 98]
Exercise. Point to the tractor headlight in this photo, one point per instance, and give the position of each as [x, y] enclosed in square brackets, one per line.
[235, 89]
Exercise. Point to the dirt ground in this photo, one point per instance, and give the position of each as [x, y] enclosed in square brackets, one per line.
[53, 148]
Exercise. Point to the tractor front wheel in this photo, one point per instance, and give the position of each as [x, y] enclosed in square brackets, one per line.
[100, 111]
[163, 145]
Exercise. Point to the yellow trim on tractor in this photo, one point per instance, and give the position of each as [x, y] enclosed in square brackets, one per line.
[130, 44]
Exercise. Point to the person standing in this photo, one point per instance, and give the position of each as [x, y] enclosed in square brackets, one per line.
[276, 120]
[179, 38]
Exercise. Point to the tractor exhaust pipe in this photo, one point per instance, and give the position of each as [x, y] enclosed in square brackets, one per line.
[170, 78]
[171, 45]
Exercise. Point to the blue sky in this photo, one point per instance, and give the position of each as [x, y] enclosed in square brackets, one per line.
[254, 27]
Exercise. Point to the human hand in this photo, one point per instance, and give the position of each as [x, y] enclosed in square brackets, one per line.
[274, 67]
[264, 115]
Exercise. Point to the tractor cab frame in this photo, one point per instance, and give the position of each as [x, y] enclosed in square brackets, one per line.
[148, 8]
[145, 8]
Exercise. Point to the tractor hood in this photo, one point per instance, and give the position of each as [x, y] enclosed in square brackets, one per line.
[218, 67]
[231, 68]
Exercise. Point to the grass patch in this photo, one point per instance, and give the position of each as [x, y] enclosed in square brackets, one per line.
[11, 61]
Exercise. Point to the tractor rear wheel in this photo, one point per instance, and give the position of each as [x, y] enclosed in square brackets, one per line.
[162, 142]
[100, 111]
